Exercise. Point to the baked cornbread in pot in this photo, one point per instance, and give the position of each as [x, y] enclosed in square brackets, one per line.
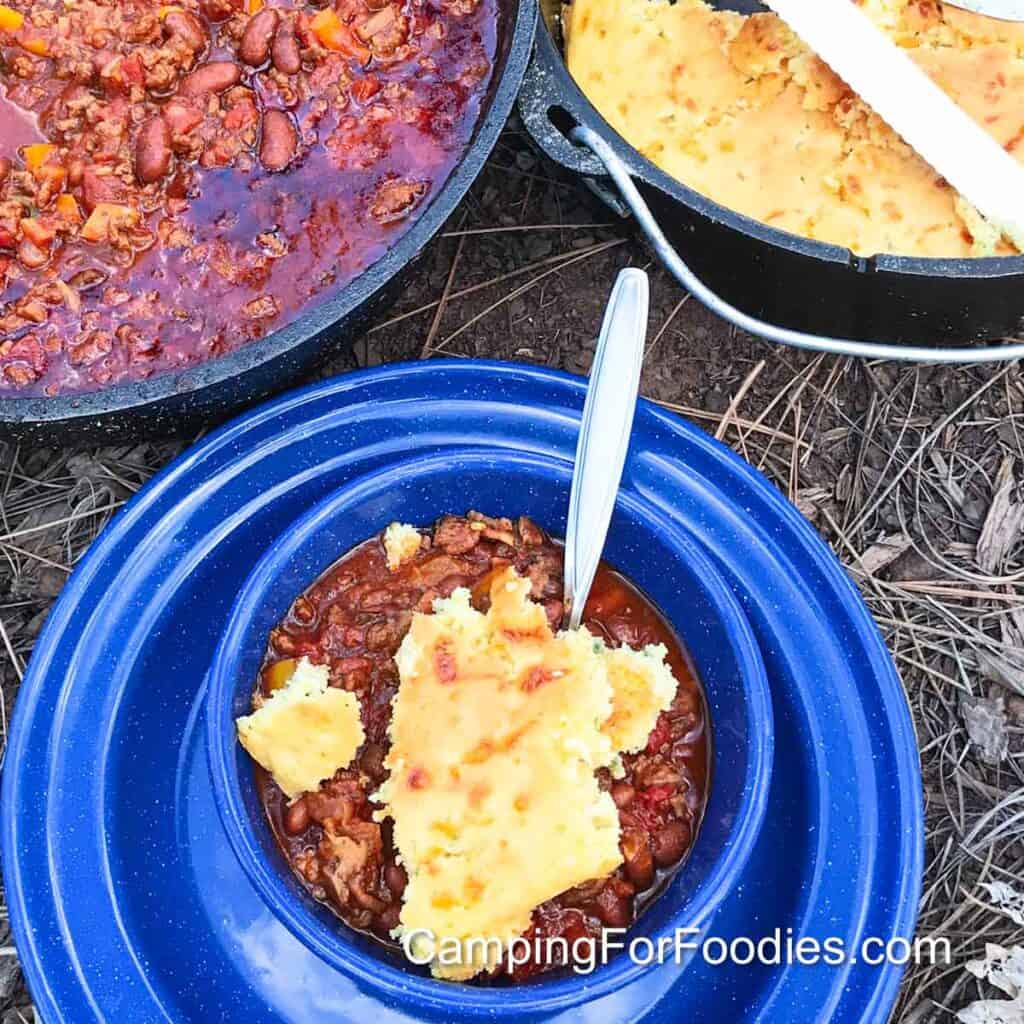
[739, 109]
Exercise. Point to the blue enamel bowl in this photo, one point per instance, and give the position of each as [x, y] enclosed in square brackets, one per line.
[642, 544]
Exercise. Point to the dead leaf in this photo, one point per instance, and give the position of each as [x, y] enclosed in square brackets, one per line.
[1005, 669]
[985, 719]
[1008, 901]
[993, 1011]
[1002, 526]
[1002, 967]
[885, 550]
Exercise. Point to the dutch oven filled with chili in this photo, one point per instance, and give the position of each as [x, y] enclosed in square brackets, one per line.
[442, 646]
[179, 181]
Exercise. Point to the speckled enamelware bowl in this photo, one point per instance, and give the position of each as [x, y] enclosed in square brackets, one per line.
[655, 555]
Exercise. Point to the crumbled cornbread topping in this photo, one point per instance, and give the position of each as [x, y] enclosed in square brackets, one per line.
[498, 728]
[401, 542]
[303, 732]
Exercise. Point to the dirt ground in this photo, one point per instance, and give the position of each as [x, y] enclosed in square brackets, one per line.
[911, 473]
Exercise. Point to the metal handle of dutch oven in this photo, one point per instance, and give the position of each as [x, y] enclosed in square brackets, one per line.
[619, 174]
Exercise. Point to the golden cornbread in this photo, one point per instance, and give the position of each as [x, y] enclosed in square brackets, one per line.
[498, 728]
[737, 108]
[303, 732]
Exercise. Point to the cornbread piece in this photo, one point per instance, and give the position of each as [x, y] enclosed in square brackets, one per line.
[401, 542]
[497, 729]
[305, 731]
[740, 110]
[642, 687]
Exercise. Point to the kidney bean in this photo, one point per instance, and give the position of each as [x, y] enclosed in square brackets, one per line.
[254, 48]
[372, 761]
[639, 863]
[152, 151]
[5, 168]
[215, 76]
[285, 51]
[396, 880]
[188, 28]
[296, 817]
[279, 142]
[669, 843]
[388, 919]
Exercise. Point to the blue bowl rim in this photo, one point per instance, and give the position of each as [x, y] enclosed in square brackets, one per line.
[396, 982]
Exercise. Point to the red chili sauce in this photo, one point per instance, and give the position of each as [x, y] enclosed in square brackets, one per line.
[178, 180]
[353, 620]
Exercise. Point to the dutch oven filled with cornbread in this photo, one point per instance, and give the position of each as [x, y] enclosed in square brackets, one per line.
[432, 781]
[778, 185]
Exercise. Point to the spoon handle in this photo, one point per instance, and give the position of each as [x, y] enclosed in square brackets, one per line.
[604, 435]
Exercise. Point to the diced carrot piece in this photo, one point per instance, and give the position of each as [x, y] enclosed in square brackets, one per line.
[334, 34]
[97, 227]
[36, 232]
[39, 47]
[10, 19]
[36, 154]
[67, 208]
[255, 6]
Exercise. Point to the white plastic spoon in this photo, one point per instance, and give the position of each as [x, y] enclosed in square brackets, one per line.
[604, 435]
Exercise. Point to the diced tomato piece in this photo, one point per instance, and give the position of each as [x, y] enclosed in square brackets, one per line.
[132, 71]
[655, 796]
[8, 240]
[365, 88]
[181, 118]
[660, 734]
[240, 116]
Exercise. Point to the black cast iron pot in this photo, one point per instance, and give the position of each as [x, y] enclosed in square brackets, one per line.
[175, 403]
[780, 286]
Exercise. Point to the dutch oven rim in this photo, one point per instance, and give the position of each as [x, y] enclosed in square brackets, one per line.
[568, 95]
[123, 399]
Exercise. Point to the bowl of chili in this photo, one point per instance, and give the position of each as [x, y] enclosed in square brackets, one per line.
[681, 597]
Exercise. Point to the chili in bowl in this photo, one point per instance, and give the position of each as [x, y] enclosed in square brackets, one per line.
[336, 601]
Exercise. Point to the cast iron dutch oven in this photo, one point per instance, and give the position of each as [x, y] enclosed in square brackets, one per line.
[174, 403]
[780, 286]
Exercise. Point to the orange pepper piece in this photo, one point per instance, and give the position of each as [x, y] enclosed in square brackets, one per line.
[67, 208]
[334, 34]
[10, 19]
[39, 47]
[36, 154]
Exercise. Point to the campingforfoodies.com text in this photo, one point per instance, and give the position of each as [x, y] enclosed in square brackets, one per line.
[587, 953]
